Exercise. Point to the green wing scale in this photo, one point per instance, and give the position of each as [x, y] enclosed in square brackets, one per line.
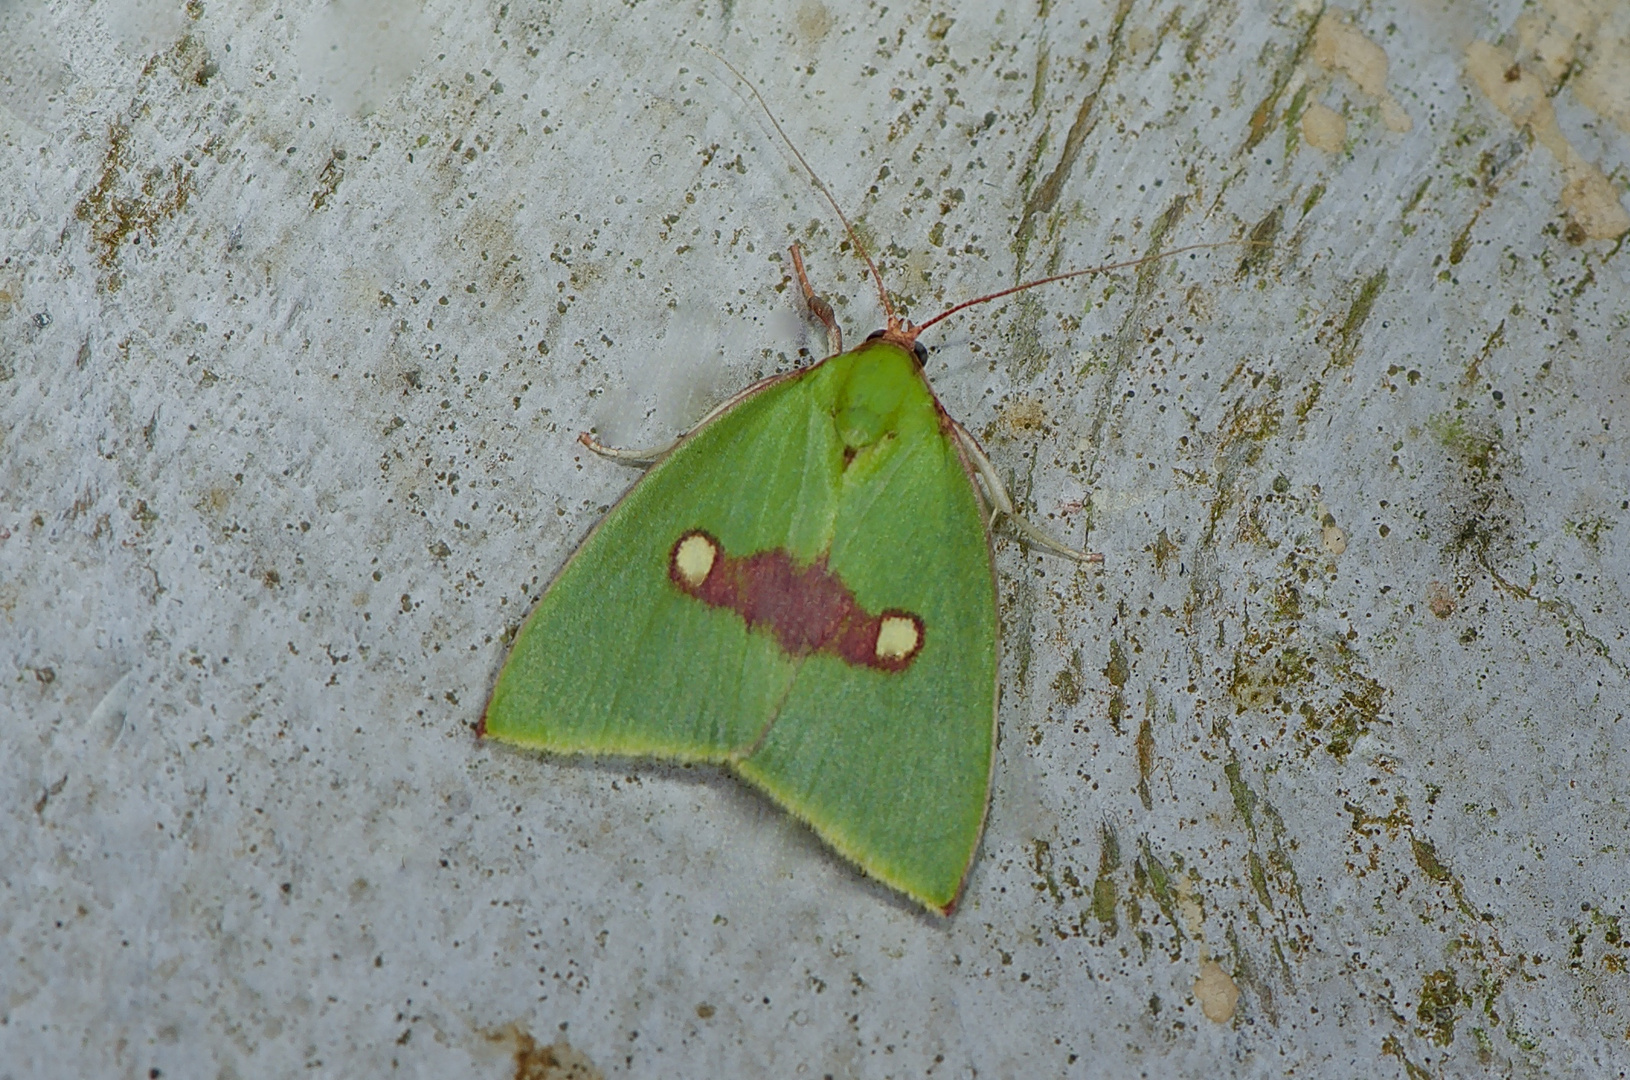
[801, 591]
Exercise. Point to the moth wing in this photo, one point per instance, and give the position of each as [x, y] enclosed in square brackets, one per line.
[893, 769]
[617, 660]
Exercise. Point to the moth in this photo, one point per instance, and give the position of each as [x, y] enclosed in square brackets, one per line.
[802, 590]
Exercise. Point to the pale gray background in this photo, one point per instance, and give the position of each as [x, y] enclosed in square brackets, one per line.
[302, 306]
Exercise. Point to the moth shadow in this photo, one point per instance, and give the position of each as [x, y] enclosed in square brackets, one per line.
[749, 808]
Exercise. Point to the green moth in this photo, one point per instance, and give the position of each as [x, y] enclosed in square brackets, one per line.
[801, 590]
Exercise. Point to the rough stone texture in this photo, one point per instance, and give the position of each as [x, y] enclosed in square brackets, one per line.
[302, 307]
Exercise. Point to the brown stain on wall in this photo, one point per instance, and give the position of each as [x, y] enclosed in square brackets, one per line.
[1338, 45]
[1568, 45]
[119, 212]
[555, 1061]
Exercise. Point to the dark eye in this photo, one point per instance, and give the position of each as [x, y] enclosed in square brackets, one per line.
[917, 348]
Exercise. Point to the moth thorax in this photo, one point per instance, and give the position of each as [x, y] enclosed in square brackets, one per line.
[860, 427]
[875, 387]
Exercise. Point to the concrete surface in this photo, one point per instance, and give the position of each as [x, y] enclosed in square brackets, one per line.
[302, 306]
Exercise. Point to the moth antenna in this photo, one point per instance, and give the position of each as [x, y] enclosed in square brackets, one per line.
[1104, 269]
[820, 185]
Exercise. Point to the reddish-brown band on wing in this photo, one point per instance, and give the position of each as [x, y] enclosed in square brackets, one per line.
[808, 609]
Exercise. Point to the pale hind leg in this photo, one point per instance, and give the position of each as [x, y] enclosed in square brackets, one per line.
[623, 456]
[645, 458]
[1002, 507]
[818, 307]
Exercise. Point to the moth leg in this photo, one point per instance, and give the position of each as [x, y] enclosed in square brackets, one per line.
[1033, 536]
[818, 307]
[644, 458]
[638, 458]
[1001, 503]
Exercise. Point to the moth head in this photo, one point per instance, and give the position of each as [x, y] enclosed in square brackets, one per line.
[917, 348]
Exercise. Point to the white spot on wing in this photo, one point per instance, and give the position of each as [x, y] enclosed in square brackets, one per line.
[897, 638]
[694, 558]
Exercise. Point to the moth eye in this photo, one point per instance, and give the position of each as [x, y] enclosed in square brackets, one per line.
[920, 352]
[874, 335]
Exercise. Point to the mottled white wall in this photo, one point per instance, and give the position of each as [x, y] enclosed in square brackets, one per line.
[302, 307]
